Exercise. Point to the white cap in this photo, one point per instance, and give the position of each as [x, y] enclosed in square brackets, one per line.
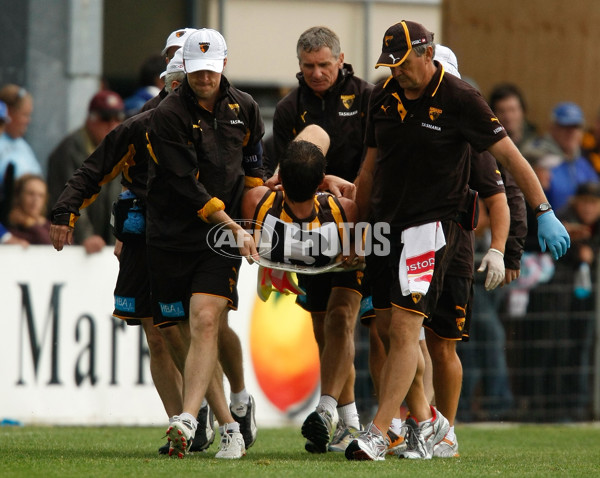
[205, 49]
[447, 58]
[177, 38]
[175, 65]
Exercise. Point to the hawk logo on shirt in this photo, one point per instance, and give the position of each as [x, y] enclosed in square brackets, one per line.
[204, 46]
[387, 39]
[235, 108]
[434, 113]
[460, 323]
[347, 100]
[416, 297]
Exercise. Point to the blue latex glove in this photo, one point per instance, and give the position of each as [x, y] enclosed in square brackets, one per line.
[553, 234]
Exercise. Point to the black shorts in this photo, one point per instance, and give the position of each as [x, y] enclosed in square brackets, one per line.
[443, 259]
[132, 291]
[452, 317]
[318, 288]
[177, 275]
[380, 277]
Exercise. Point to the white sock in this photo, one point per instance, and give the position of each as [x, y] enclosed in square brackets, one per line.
[239, 398]
[230, 427]
[349, 414]
[451, 435]
[327, 402]
[204, 403]
[396, 425]
[190, 417]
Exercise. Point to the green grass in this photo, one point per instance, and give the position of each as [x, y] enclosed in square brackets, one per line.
[519, 451]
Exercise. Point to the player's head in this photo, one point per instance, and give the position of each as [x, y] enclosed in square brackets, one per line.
[302, 167]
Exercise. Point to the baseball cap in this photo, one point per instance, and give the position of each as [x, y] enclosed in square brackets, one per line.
[205, 49]
[588, 189]
[399, 40]
[4, 112]
[175, 65]
[447, 58]
[107, 104]
[567, 114]
[177, 38]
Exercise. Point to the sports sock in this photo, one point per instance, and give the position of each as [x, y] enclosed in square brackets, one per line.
[349, 414]
[396, 426]
[188, 416]
[451, 435]
[327, 402]
[238, 398]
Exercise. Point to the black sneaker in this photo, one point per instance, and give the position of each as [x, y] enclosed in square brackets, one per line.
[205, 433]
[244, 415]
[164, 450]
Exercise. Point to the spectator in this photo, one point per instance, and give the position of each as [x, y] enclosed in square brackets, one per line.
[151, 83]
[590, 144]
[507, 101]
[27, 218]
[6, 237]
[106, 110]
[13, 147]
[564, 140]
[581, 217]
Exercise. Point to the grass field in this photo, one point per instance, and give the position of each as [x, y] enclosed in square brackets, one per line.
[519, 450]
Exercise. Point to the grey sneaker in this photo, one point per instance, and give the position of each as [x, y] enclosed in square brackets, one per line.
[232, 445]
[446, 449]
[244, 415]
[369, 445]
[318, 429]
[180, 435]
[205, 433]
[421, 438]
[342, 437]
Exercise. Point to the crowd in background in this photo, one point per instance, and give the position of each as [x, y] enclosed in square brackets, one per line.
[566, 159]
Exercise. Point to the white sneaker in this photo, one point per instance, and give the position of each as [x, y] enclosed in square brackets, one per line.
[232, 445]
[180, 435]
[370, 445]
[421, 438]
[244, 414]
[446, 448]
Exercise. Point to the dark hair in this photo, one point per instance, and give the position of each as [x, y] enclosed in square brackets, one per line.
[302, 169]
[151, 69]
[506, 90]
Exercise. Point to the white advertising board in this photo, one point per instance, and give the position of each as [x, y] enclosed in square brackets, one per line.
[67, 361]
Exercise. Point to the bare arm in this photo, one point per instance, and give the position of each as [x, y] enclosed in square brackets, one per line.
[510, 157]
[364, 184]
[499, 220]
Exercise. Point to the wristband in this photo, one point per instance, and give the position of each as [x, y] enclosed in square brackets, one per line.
[497, 251]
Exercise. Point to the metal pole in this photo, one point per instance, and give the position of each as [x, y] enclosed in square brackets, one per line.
[596, 360]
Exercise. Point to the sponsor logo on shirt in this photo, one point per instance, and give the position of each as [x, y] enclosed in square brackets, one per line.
[237, 121]
[434, 113]
[347, 100]
[430, 126]
[498, 129]
[348, 113]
